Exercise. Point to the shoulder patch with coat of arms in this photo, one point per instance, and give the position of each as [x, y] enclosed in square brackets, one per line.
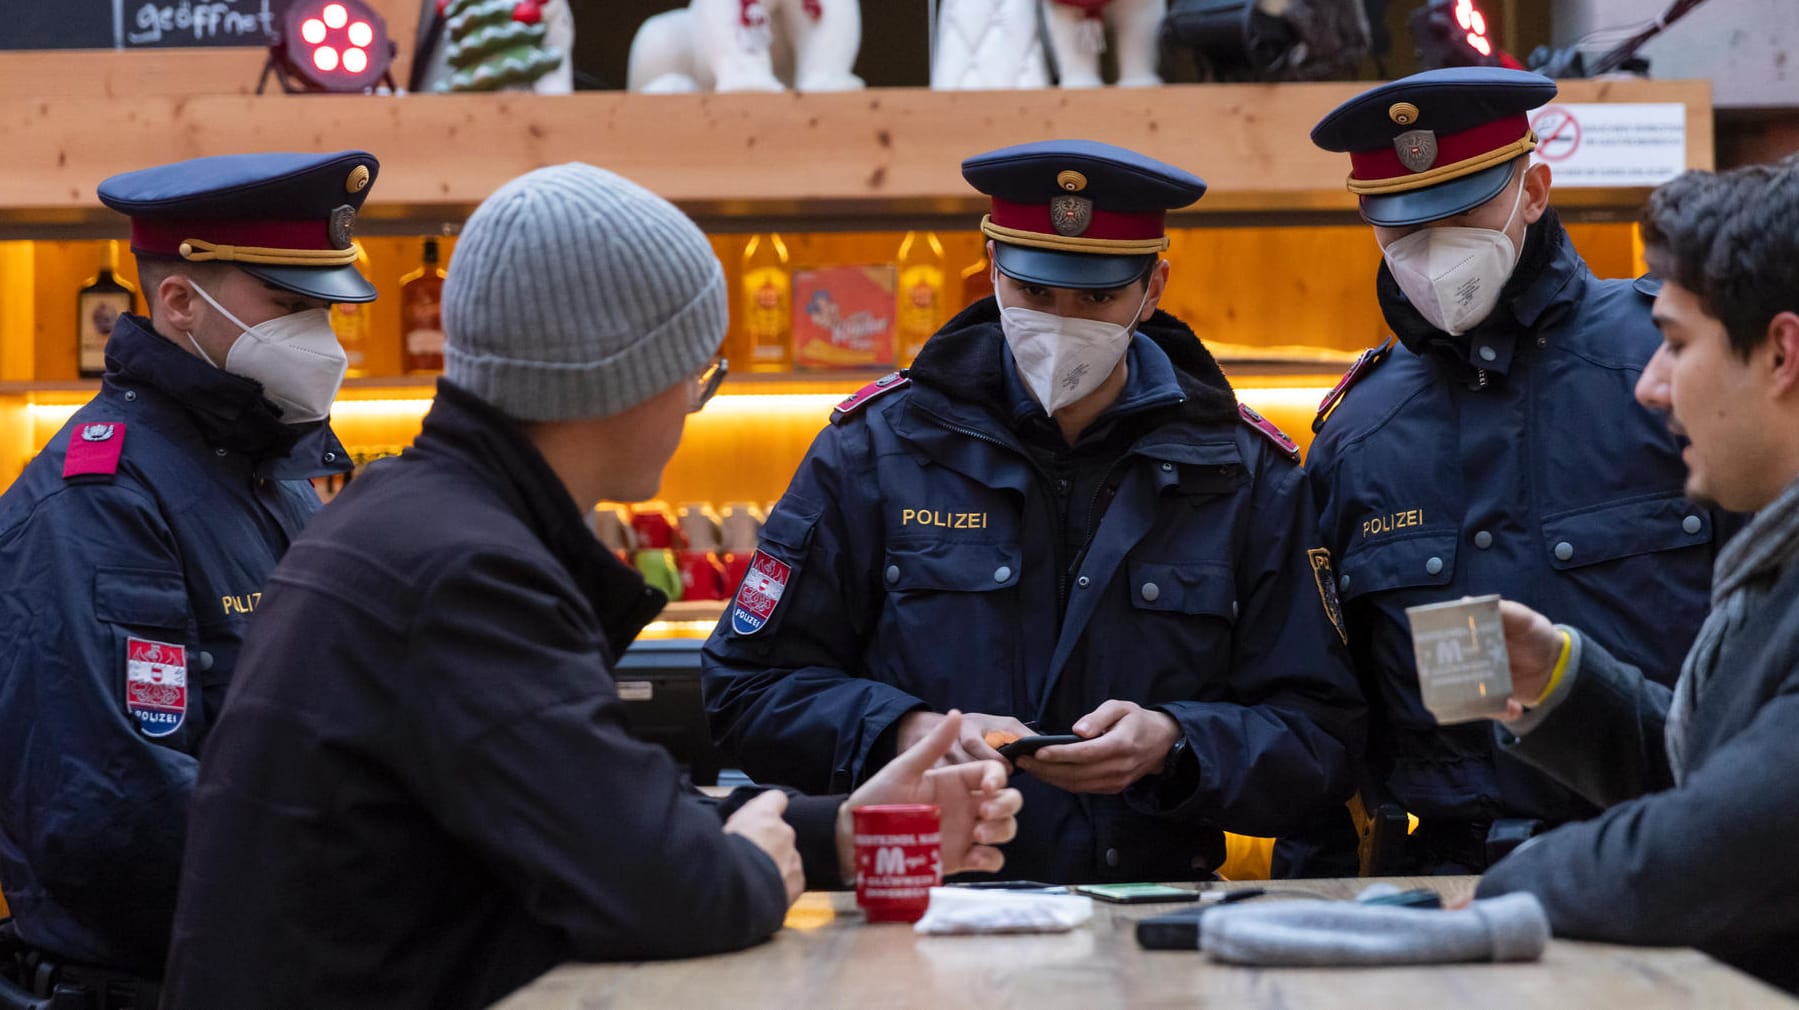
[759, 594]
[156, 685]
[1320, 557]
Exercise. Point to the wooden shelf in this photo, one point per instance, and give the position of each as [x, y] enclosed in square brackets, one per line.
[738, 161]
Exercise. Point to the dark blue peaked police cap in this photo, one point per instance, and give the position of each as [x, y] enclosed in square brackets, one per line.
[289, 219]
[1434, 144]
[1077, 213]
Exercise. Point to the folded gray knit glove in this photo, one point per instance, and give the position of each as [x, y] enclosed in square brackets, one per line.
[1511, 927]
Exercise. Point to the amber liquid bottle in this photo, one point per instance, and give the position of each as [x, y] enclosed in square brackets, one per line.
[98, 305]
[920, 298]
[767, 304]
[421, 315]
[351, 322]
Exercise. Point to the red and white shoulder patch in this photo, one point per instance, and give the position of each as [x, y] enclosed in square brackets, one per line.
[156, 685]
[869, 394]
[1364, 364]
[94, 449]
[759, 593]
[1270, 431]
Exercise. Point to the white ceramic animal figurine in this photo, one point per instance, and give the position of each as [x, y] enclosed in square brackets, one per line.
[1077, 37]
[748, 45]
[988, 44]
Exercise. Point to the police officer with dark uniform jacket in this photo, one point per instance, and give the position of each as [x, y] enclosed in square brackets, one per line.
[1496, 448]
[1060, 521]
[142, 534]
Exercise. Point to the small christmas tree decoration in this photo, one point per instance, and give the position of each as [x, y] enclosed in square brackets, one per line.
[496, 44]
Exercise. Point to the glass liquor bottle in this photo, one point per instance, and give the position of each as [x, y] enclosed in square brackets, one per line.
[98, 305]
[921, 292]
[351, 322]
[421, 315]
[767, 304]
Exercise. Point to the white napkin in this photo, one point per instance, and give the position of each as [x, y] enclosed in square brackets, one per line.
[966, 910]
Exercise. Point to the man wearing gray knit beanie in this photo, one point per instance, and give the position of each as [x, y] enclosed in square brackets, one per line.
[422, 791]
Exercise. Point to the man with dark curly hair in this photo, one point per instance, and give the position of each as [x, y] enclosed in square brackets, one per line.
[1703, 807]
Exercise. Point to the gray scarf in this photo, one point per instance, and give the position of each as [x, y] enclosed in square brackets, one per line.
[1749, 562]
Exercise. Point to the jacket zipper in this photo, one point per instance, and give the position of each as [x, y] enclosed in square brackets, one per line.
[1088, 524]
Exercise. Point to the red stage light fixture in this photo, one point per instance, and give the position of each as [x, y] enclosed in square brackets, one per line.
[1455, 33]
[330, 45]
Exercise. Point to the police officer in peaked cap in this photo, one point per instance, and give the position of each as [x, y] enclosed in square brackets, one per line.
[142, 533]
[1061, 521]
[1492, 445]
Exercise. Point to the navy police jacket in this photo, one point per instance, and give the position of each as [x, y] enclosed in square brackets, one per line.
[135, 547]
[1513, 460]
[914, 566]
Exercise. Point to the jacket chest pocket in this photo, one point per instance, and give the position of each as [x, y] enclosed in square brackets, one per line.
[1197, 588]
[1422, 560]
[1636, 571]
[1618, 530]
[951, 622]
[1176, 640]
[156, 669]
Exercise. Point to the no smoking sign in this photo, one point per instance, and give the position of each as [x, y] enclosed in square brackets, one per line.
[1558, 133]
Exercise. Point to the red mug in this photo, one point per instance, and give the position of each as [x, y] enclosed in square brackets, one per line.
[899, 858]
[702, 575]
[737, 565]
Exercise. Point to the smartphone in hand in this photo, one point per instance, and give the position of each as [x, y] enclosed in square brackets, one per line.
[1032, 744]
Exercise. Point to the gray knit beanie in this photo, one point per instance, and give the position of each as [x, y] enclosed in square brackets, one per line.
[574, 293]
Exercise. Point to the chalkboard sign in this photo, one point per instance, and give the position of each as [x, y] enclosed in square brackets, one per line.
[138, 24]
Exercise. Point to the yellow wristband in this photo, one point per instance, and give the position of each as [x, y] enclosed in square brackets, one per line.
[1561, 667]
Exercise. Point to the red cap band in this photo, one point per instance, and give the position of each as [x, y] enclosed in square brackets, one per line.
[165, 237]
[1106, 224]
[1383, 162]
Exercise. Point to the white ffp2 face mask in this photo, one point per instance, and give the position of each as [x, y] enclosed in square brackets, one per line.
[1453, 276]
[296, 357]
[1063, 358]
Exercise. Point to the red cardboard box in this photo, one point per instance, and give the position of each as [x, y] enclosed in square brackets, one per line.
[843, 317]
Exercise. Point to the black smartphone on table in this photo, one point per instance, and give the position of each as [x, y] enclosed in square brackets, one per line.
[1010, 885]
[1136, 894]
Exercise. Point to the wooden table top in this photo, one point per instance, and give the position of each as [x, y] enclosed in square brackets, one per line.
[828, 957]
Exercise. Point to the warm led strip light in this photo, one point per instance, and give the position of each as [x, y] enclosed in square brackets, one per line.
[54, 415]
[741, 407]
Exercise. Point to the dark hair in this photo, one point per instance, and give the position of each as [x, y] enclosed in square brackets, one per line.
[1731, 238]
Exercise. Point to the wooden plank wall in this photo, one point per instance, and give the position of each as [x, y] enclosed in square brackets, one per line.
[744, 153]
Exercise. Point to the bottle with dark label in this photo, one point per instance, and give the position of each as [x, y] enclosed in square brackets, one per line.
[98, 305]
[421, 315]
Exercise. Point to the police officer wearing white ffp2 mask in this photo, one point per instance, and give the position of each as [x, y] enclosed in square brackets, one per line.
[142, 534]
[1059, 521]
[1497, 447]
